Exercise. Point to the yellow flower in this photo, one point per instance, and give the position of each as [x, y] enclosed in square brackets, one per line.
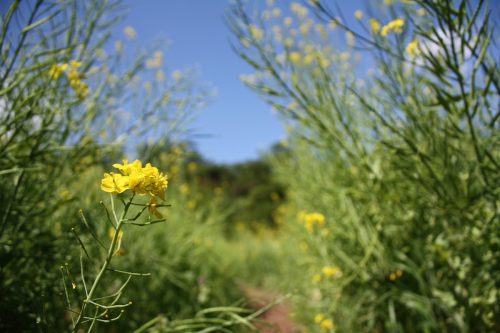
[329, 271]
[412, 48]
[326, 325]
[114, 183]
[421, 12]
[299, 10]
[395, 25]
[141, 180]
[126, 168]
[74, 64]
[295, 57]
[256, 32]
[316, 278]
[130, 32]
[56, 70]
[358, 14]
[375, 25]
[319, 318]
[395, 275]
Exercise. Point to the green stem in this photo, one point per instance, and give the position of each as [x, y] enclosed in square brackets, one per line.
[105, 264]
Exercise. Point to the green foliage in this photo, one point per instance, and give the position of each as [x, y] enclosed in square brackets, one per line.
[404, 165]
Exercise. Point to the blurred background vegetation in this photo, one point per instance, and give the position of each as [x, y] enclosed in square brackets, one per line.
[378, 213]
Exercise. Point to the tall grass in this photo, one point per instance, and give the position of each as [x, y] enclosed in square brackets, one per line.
[402, 161]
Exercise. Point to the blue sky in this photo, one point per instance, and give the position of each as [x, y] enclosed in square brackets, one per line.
[236, 125]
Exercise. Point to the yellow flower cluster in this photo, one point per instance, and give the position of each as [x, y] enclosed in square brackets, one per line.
[74, 77]
[299, 10]
[256, 33]
[135, 177]
[325, 325]
[395, 25]
[311, 220]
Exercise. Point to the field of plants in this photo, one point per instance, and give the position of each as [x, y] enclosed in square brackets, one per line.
[378, 213]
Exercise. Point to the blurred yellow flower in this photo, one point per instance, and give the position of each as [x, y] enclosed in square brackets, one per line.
[319, 318]
[112, 232]
[287, 21]
[358, 14]
[375, 25]
[299, 10]
[412, 48]
[395, 25]
[330, 271]
[295, 57]
[56, 70]
[160, 75]
[326, 325]
[421, 12]
[316, 278]
[130, 32]
[256, 32]
[395, 275]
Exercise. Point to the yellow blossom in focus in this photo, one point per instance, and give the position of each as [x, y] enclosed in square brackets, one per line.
[114, 183]
[141, 180]
[375, 25]
[358, 14]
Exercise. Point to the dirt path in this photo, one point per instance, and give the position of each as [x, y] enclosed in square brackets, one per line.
[275, 320]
